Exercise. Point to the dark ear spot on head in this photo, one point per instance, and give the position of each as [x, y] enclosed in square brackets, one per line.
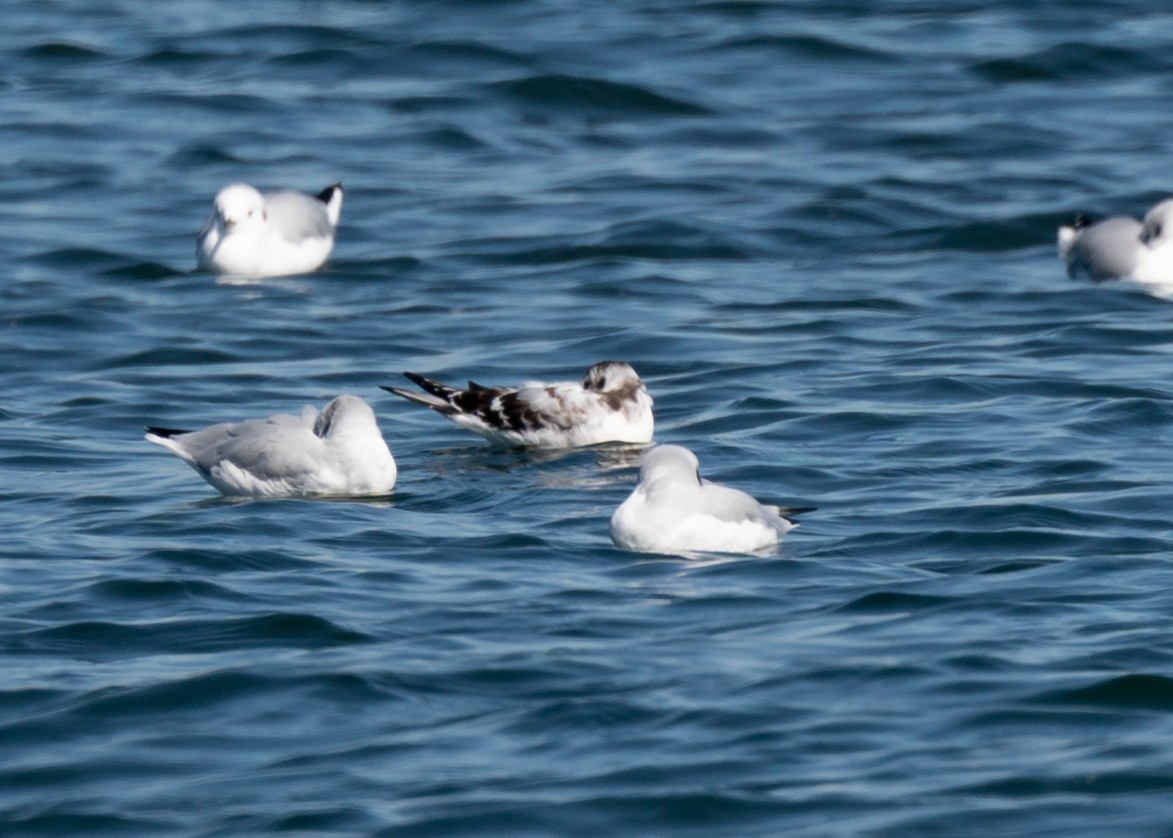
[325, 420]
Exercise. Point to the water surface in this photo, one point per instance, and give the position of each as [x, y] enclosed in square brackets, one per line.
[824, 235]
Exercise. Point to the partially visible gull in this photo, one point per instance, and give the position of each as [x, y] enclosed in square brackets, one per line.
[1120, 247]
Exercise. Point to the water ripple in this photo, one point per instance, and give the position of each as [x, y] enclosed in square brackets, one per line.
[586, 94]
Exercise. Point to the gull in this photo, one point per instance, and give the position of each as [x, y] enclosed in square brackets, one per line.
[338, 452]
[259, 234]
[1121, 247]
[675, 510]
[610, 405]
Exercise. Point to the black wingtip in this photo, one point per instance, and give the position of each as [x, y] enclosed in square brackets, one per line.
[428, 385]
[327, 194]
[428, 398]
[407, 394]
[794, 511]
[165, 433]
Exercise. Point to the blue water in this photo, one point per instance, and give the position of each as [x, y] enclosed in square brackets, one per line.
[823, 232]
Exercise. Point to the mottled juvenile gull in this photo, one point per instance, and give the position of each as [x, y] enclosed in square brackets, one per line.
[610, 405]
[338, 452]
[259, 234]
[675, 510]
[1121, 247]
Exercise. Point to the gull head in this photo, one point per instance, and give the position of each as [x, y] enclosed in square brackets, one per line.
[669, 463]
[1157, 222]
[239, 203]
[612, 377]
[345, 415]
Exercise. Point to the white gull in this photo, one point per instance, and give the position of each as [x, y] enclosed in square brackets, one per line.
[260, 234]
[338, 452]
[675, 510]
[1120, 247]
[610, 405]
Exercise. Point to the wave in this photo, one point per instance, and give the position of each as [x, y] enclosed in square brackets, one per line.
[587, 94]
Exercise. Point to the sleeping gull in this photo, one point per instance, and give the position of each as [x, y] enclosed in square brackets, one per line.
[255, 234]
[675, 510]
[610, 405]
[1121, 247]
[339, 452]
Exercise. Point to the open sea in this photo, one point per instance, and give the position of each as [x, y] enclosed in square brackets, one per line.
[823, 233]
